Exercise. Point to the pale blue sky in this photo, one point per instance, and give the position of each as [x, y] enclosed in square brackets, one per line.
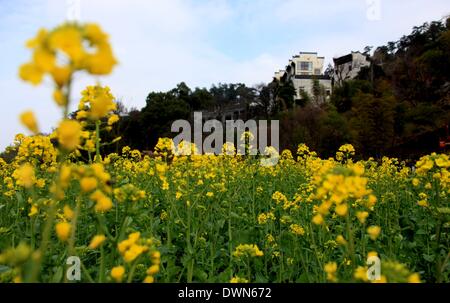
[161, 43]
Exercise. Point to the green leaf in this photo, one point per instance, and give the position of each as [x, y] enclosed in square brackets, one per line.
[57, 277]
[4, 268]
[443, 210]
[429, 258]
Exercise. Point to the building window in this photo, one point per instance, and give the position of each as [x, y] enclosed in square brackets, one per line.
[317, 71]
[305, 66]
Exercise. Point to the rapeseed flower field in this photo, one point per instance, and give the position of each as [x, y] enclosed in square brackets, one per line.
[179, 216]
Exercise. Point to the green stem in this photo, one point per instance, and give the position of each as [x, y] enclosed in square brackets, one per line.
[44, 242]
[101, 277]
[351, 244]
[97, 140]
[130, 276]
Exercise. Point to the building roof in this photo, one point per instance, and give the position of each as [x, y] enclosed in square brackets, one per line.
[319, 77]
[347, 58]
[343, 59]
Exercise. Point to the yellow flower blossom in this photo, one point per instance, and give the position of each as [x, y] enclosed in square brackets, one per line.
[96, 241]
[69, 132]
[63, 230]
[149, 279]
[374, 232]
[296, 230]
[330, 269]
[29, 120]
[362, 216]
[88, 184]
[152, 270]
[414, 278]
[25, 175]
[117, 273]
[318, 219]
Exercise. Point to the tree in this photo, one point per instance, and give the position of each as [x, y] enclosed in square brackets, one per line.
[201, 98]
[264, 100]
[159, 113]
[373, 123]
[285, 95]
[329, 71]
[318, 90]
[342, 97]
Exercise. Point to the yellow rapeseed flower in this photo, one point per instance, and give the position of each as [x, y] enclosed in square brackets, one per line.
[63, 230]
[362, 216]
[33, 211]
[341, 209]
[68, 39]
[113, 119]
[341, 240]
[296, 230]
[30, 72]
[25, 176]
[374, 232]
[69, 132]
[414, 278]
[236, 279]
[152, 270]
[59, 97]
[44, 59]
[251, 250]
[103, 203]
[68, 212]
[331, 268]
[61, 75]
[117, 273]
[29, 120]
[149, 279]
[96, 241]
[88, 184]
[361, 273]
[133, 252]
[318, 219]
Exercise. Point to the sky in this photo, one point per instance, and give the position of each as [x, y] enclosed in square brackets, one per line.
[160, 43]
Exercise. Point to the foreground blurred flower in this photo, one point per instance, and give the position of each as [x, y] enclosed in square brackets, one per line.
[88, 184]
[29, 120]
[331, 268]
[25, 176]
[84, 46]
[63, 230]
[374, 232]
[103, 202]
[69, 132]
[117, 273]
[96, 241]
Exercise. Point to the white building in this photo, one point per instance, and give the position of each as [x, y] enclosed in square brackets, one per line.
[347, 67]
[302, 70]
